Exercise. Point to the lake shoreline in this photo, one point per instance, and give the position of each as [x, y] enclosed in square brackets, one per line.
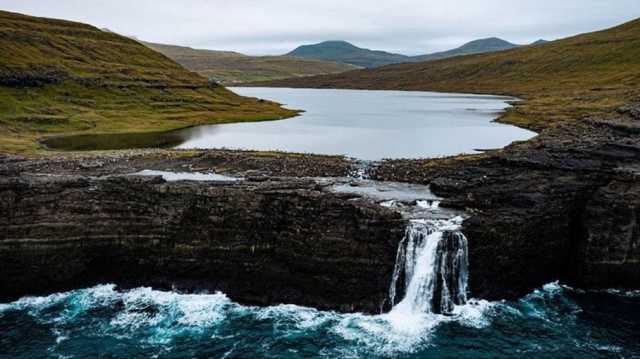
[340, 122]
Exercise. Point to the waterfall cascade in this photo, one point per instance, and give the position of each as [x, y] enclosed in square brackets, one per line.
[431, 270]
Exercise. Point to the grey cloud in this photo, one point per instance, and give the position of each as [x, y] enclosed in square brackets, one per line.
[276, 26]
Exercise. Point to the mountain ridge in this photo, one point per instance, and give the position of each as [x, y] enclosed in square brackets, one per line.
[230, 67]
[479, 46]
[345, 52]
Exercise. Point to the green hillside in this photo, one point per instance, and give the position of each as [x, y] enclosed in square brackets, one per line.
[473, 47]
[346, 53]
[231, 67]
[561, 80]
[59, 77]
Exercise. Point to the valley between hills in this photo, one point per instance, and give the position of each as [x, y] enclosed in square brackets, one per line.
[232, 68]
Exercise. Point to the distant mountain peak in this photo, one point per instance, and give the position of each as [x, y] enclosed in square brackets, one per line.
[488, 43]
[347, 53]
[490, 40]
[335, 43]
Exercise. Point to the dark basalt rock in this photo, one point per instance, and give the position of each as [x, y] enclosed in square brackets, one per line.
[243, 163]
[260, 243]
[610, 251]
[632, 110]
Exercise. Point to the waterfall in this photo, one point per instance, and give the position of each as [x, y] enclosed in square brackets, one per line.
[431, 269]
[361, 170]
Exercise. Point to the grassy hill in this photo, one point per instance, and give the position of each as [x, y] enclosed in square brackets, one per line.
[346, 53]
[473, 47]
[231, 67]
[59, 77]
[561, 80]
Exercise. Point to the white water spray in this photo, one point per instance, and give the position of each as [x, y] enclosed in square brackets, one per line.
[431, 268]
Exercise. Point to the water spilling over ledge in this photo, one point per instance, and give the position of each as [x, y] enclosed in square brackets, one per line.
[431, 266]
[431, 271]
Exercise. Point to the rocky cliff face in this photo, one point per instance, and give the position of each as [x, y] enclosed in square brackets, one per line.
[563, 206]
[270, 242]
[610, 249]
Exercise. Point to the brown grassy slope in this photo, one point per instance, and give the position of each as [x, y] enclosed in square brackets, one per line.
[59, 77]
[561, 80]
[232, 67]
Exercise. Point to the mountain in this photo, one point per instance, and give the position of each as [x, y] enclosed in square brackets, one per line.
[59, 77]
[473, 47]
[344, 52]
[231, 67]
[539, 42]
[347, 53]
[562, 80]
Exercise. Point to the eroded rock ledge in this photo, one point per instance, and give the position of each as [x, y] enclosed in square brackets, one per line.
[267, 242]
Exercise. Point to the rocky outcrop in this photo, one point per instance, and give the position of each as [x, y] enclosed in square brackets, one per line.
[276, 241]
[33, 77]
[241, 163]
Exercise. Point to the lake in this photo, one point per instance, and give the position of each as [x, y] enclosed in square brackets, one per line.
[368, 125]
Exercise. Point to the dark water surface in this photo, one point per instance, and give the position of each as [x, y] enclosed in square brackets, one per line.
[553, 322]
[368, 125]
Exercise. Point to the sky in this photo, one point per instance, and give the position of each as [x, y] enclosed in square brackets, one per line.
[265, 27]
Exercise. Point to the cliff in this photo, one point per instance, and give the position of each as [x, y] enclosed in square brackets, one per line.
[271, 242]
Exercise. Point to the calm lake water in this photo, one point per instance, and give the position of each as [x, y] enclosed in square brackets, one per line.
[368, 125]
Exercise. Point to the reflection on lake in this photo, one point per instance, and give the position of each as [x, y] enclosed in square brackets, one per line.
[368, 125]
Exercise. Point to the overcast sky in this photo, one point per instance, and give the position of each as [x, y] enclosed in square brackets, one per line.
[277, 26]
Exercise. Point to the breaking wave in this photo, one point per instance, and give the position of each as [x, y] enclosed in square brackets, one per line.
[554, 320]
